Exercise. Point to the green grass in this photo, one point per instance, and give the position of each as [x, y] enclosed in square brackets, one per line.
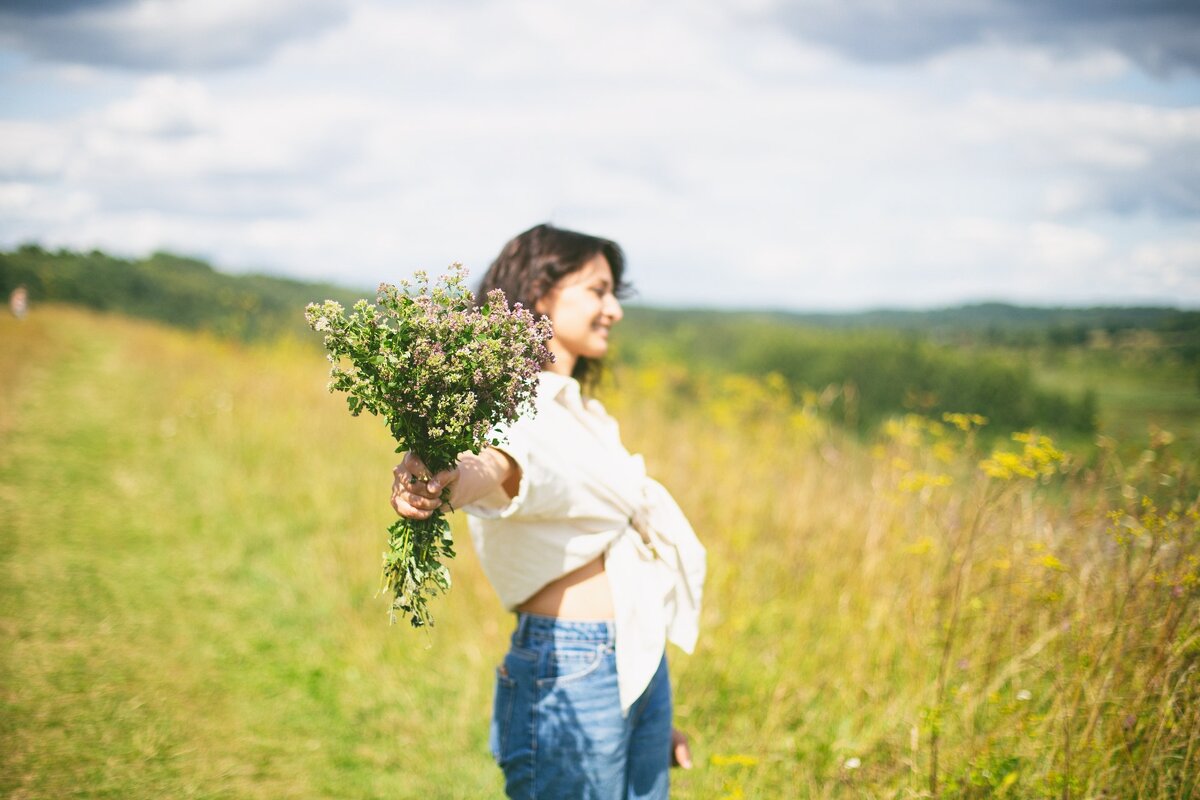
[190, 542]
[190, 534]
[1131, 396]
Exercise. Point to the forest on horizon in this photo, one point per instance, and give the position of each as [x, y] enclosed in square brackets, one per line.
[1019, 366]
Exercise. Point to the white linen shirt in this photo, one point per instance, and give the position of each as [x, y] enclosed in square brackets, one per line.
[583, 496]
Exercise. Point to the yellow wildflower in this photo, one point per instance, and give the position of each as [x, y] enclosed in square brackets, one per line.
[1039, 458]
[944, 452]
[964, 422]
[1049, 561]
[919, 481]
[920, 547]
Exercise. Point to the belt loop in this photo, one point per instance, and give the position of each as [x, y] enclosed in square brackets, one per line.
[522, 626]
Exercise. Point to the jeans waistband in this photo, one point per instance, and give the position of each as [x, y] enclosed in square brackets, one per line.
[534, 627]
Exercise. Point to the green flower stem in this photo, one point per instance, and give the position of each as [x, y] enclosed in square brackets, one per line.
[413, 567]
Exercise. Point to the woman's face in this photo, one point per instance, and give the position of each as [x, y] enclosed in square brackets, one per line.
[582, 308]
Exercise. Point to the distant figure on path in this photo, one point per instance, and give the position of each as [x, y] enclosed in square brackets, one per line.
[595, 558]
[18, 302]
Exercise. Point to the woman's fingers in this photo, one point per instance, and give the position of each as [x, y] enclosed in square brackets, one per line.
[439, 482]
[402, 501]
[411, 497]
[415, 493]
[681, 753]
[413, 467]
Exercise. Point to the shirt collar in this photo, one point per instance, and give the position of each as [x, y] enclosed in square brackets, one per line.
[552, 386]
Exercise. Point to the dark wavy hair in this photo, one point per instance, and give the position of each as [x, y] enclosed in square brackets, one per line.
[534, 261]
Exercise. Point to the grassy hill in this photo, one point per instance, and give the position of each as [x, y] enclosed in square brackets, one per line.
[168, 288]
[190, 533]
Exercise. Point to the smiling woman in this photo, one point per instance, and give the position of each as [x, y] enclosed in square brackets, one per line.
[587, 308]
[594, 557]
[547, 267]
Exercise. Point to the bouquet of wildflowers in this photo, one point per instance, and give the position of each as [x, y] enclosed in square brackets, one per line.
[442, 373]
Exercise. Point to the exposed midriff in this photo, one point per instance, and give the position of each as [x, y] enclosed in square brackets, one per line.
[583, 594]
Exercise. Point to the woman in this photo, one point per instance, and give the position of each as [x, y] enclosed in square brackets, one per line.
[595, 558]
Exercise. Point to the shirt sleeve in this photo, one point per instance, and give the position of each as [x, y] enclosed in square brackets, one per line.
[497, 504]
[544, 489]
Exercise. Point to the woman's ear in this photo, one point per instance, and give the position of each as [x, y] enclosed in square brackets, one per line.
[545, 303]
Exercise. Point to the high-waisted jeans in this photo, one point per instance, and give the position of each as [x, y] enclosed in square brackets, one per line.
[557, 728]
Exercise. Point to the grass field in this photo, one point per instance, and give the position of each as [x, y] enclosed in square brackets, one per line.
[190, 533]
[1131, 397]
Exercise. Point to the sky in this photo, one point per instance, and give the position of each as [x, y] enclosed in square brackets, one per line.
[816, 155]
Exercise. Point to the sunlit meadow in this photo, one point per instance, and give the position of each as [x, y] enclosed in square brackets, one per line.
[190, 539]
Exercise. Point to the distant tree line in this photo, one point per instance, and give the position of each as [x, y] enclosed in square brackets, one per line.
[881, 372]
[168, 288]
[972, 358]
[1176, 332]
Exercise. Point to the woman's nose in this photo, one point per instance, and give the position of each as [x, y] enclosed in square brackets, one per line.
[613, 308]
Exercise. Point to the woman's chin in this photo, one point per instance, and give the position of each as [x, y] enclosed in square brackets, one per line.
[594, 348]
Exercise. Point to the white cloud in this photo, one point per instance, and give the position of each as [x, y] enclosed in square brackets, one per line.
[1170, 267]
[32, 150]
[1065, 249]
[168, 34]
[1162, 37]
[164, 106]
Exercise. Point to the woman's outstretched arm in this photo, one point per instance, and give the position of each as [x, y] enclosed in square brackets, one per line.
[416, 494]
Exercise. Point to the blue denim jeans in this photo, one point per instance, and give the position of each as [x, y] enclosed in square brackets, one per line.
[557, 728]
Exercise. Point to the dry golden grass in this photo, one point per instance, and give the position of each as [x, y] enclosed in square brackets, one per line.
[190, 547]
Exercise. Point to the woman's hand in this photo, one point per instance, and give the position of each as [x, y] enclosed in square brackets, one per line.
[415, 493]
[681, 754]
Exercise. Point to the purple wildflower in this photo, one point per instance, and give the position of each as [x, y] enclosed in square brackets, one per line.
[443, 374]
